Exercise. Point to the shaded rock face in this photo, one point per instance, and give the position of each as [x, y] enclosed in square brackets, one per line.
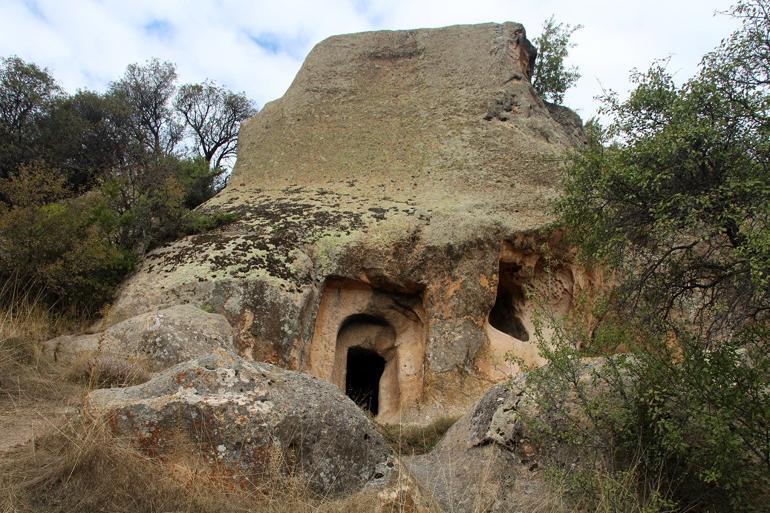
[236, 412]
[490, 460]
[157, 339]
[400, 182]
[482, 462]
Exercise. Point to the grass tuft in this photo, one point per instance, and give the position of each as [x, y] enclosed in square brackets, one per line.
[409, 440]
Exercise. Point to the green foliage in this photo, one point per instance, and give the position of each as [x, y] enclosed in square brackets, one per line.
[552, 76]
[26, 91]
[34, 184]
[66, 250]
[682, 427]
[147, 90]
[675, 192]
[121, 153]
[674, 197]
[197, 179]
[84, 136]
[153, 202]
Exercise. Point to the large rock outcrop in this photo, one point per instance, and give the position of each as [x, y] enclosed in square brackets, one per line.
[237, 412]
[394, 200]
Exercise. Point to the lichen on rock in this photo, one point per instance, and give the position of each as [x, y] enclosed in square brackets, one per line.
[403, 163]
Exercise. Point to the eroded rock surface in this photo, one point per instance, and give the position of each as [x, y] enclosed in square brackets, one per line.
[236, 412]
[475, 468]
[403, 179]
[157, 339]
[490, 459]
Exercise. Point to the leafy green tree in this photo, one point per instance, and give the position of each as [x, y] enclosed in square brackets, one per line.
[213, 115]
[674, 197]
[89, 182]
[86, 136]
[675, 192]
[148, 91]
[26, 92]
[552, 76]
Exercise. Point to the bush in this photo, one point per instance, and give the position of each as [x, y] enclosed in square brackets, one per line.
[673, 198]
[683, 424]
[66, 250]
[34, 184]
[552, 77]
[77, 250]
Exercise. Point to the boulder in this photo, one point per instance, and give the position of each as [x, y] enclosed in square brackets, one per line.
[472, 469]
[490, 461]
[239, 413]
[157, 339]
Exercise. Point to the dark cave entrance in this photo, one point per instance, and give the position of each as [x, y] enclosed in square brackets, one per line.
[505, 315]
[362, 381]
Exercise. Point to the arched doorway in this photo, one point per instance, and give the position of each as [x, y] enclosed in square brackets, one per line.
[362, 379]
[367, 362]
[353, 317]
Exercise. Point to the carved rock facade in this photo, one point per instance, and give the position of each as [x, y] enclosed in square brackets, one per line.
[392, 222]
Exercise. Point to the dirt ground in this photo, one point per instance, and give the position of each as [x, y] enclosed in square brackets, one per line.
[22, 421]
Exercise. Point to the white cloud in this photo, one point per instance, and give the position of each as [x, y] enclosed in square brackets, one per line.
[87, 43]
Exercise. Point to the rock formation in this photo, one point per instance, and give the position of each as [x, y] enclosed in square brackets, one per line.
[236, 412]
[392, 214]
[156, 340]
[489, 461]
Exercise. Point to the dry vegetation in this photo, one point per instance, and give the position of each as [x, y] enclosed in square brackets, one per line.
[410, 440]
[53, 460]
[83, 467]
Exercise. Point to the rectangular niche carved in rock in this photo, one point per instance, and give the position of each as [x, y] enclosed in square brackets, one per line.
[370, 342]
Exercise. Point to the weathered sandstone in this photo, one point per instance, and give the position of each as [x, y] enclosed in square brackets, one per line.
[236, 413]
[156, 340]
[393, 201]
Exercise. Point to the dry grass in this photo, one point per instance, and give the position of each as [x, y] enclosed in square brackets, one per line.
[411, 440]
[105, 371]
[82, 467]
[24, 324]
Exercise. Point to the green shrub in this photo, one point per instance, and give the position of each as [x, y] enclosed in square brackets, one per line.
[34, 184]
[66, 249]
[688, 421]
[673, 198]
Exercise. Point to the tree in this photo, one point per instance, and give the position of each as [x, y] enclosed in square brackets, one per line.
[89, 182]
[674, 196]
[676, 190]
[213, 114]
[552, 77]
[148, 91]
[26, 92]
[86, 136]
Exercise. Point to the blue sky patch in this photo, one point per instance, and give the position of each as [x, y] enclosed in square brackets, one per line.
[34, 8]
[269, 42]
[294, 46]
[159, 28]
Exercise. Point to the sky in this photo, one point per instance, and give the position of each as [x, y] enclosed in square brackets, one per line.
[257, 46]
